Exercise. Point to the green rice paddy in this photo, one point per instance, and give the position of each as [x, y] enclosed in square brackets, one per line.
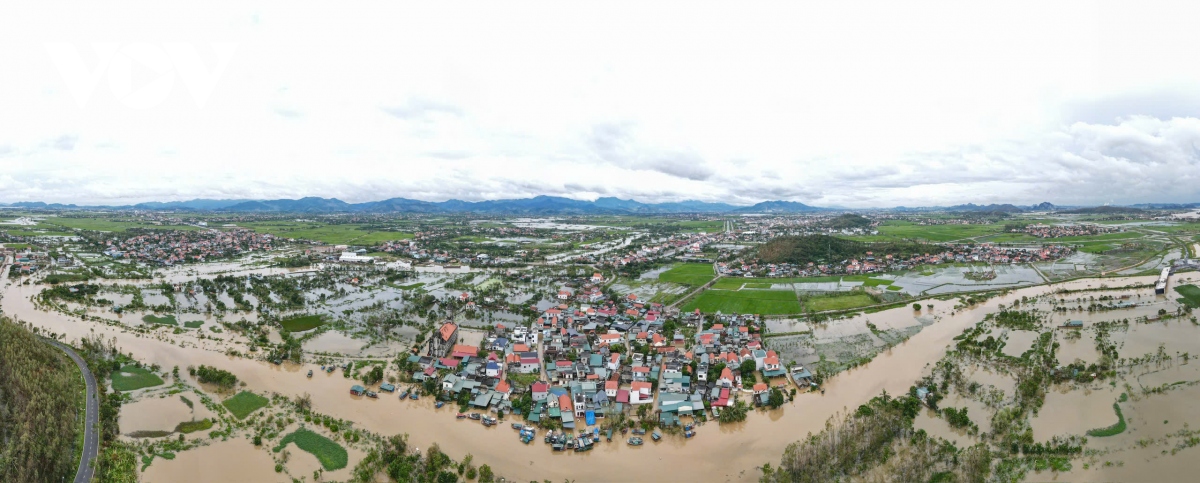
[244, 403]
[131, 378]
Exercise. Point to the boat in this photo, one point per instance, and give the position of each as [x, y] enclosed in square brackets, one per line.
[371, 394]
[635, 441]
[610, 431]
[474, 416]
[404, 394]
[310, 373]
[460, 416]
[489, 421]
[639, 432]
[518, 426]
[688, 427]
[656, 435]
[557, 446]
[688, 434]
[414, 395]
[439, 404]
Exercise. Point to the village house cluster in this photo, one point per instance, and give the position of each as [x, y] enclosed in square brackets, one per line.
[980, 253]
[176, 246]
[687, 246]
[593, 358]
[1058, 231]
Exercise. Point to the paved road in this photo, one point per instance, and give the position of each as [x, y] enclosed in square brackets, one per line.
[91, 440]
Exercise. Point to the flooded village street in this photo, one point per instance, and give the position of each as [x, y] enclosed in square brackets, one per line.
[719, 452]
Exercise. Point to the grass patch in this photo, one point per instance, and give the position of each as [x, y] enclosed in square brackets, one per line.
[160, 320]
[132, 378]
[1191, 295]
[693, 274]
[1111, 430]
[893, 288]
[193, 426]
[244, 403]
[149, 434]
[195, 324]
[301, 323]
[838, 302]
[746, 302]
[331, 455]
[410, 286]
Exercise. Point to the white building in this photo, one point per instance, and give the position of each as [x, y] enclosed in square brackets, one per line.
[355, 258]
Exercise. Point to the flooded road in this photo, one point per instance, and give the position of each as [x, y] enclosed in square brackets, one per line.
[707, 457]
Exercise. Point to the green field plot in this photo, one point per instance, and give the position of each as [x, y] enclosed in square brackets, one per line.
[734, 283]
[766, 302]
[244, 403]
[130, 378]
[331, 455]
[1191, 295]
[838, 302]
[195, 324]
[160, 319]
[301, 323]
[109, 224]
[897, 230]
[333, 234]
[688, 274]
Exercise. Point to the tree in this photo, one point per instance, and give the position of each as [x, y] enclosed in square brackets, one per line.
[776, 398]
[747, 368]
[374, 375]
[485, 474]
[917, 307]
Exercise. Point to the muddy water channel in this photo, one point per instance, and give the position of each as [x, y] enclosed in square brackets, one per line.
[710, 456]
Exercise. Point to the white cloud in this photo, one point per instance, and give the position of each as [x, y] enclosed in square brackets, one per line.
[869, 105]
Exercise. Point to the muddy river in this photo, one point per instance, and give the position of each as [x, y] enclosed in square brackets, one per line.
[707, 457]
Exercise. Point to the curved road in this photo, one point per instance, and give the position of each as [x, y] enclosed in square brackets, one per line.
[91, 441]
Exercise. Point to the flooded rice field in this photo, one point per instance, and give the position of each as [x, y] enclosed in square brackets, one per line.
[219, 462]
[1071, 411]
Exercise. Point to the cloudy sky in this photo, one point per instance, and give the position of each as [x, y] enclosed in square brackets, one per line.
[854, 105]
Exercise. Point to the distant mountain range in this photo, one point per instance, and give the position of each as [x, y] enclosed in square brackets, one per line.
[553, 205]
[539, 205]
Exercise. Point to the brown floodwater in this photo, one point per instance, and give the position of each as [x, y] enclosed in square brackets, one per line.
[235, 460]
[707, 457]
[153, 413]
[1074, 412]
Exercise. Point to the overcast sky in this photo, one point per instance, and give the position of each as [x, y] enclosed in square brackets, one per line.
[854, 105]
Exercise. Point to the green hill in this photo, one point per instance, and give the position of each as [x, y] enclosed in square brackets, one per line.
[828, 249]
[848, 220]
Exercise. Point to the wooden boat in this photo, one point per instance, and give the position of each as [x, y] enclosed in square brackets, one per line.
[439, 404]
[656, 435]
[310, 373]
[635, 441]
[460, 416]
[371, 394]
[475, 416]
[414, 395]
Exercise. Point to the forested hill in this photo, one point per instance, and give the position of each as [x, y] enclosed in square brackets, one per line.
[829, 249]
[40, 391]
